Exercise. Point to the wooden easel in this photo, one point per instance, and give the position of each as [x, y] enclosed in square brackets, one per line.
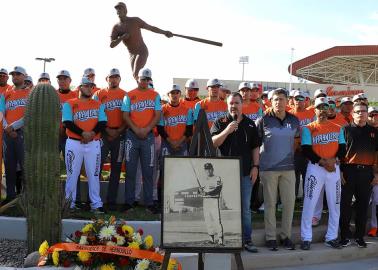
[202, 146]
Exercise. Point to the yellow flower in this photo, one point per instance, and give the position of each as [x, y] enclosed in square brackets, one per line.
[87, 228]
[43, 248]
[84, 256]
[127, 229]
[134, 245]
[55, 257]
[120, 240]
[107, 267]
[149, 241]
[172, 264]
[142, 265]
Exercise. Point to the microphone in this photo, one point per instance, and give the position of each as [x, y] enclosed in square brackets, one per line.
[235, 118]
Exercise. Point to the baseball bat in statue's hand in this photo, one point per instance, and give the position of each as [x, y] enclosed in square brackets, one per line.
[200, 40]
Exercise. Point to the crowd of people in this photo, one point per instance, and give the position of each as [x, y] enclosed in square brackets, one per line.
[294, 145]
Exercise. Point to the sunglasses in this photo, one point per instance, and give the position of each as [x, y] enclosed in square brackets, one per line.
[332, 106]
[323, 107]
[299, 98]
[146, 79]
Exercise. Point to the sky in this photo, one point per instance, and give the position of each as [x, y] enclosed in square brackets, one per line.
[77, 34]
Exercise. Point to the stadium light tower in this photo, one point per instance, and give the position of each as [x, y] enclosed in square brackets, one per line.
[243, 60]
[291, 68]
[44, 59]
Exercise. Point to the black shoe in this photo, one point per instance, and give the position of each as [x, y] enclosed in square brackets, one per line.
[128, 208]
[345, 242]
[306, 245]
[112, 207]
[152, 210]
[288, 244]
[272, 245]
[250, 247]
[98, 211]
[361, 243]
[333, 244]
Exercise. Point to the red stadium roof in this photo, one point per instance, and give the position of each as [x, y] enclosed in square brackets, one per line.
[340, 65]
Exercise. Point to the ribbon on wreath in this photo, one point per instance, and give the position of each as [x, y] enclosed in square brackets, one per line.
[116, 250]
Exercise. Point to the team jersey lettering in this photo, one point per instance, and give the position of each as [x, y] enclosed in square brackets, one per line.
[85, 115]
[143, 105]
[212, 116]
[326, 138]
[253, 116]
[14, 104]
[175, 120]
[112, 105]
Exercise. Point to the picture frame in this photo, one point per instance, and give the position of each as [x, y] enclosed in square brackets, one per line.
[201, 211]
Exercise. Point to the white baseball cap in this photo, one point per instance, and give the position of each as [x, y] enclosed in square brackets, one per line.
[145, 73]
[319, 92]
[266, 92]
[213, 82]
[18, 69]
[372, 109]
[114, 72]
[63, 73]
[44, 75]
[320, 101]
[254, 85]
[299, 93]
[3, 71]
[346, 99]
[244, 85]
[192, 83]
[175, 87]
[331, 99]
[85, 80]
[359, 96]
[89, 71]
[29, 79]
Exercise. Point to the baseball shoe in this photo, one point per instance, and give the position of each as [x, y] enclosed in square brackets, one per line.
[315, 222]
[288, 244]
[98, 211]
[361, 243]
[345, 242]
[272, 245]
[372, 232]
[333, 244]
[306, 245]
[250, 247]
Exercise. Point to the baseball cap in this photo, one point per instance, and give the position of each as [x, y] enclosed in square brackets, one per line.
[265, 93]
[331, 99]
[44, 75]
[114, 72]
[29, 79]
[320, 101]
[319, 92]
[208, 166]
[89, 71]
[346, 99]
[120, 4]
[359, 96]
[244, 85]
[299, 93]
[3, 71]
[145, 73]
[175, 87]
[254, 85]
[213, 82]
[372, 109]
[63, 73]
[18, 69]
[85, 81]
[191, 83]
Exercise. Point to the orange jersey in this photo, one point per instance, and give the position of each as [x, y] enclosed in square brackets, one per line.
[311, 108]
[213, 109]
[189, 103]
[112, 100]
[5, 88]
[339, 120]
[14, 103]
[83, 113]
[175, 120]
[63, 97]
[324, 138]
[252, 110]
[305, 117]
[142, 106]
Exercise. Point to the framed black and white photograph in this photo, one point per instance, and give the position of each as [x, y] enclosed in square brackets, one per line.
[201, 204]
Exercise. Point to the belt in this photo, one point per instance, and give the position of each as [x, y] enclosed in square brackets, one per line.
[76, 139]
[359, 166]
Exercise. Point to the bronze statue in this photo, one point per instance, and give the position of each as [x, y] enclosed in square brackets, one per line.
[128, 30]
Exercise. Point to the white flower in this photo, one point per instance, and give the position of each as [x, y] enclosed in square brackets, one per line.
[83, 240]
[120, 240]
[137, 238]
[142, 264]
[68, 240]
[110, 243]
[107, 232]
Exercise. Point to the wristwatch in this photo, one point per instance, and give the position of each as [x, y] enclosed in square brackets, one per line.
[256, 166]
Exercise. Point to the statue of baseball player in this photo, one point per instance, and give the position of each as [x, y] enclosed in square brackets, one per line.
[210, 193]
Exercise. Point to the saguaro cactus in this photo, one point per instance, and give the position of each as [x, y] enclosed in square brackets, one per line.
[42, 197]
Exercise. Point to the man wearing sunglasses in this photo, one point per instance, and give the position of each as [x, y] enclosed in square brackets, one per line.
[323, 144]
[373, 121]
[357, 174]
[141, 112]
[191, 94]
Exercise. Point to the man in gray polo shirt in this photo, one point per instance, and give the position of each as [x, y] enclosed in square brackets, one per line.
[279, 133]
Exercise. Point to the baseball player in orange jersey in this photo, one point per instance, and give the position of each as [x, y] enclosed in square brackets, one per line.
[91, 75]
[191, 94]
[29, 82]
[84, 119]
[12, 105]
[322, 143]
[213, 106]
[346, 107]
[251, 108]
[210, 191]
[113, 139]
[4, 86]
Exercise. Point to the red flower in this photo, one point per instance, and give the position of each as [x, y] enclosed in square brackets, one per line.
[78, 234]
[140, 231]
[66, 263]
[119, 231]
[123, 261]
[114, 239]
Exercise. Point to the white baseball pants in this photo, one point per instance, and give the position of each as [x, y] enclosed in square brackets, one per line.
[76, 152]
[317, 178]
